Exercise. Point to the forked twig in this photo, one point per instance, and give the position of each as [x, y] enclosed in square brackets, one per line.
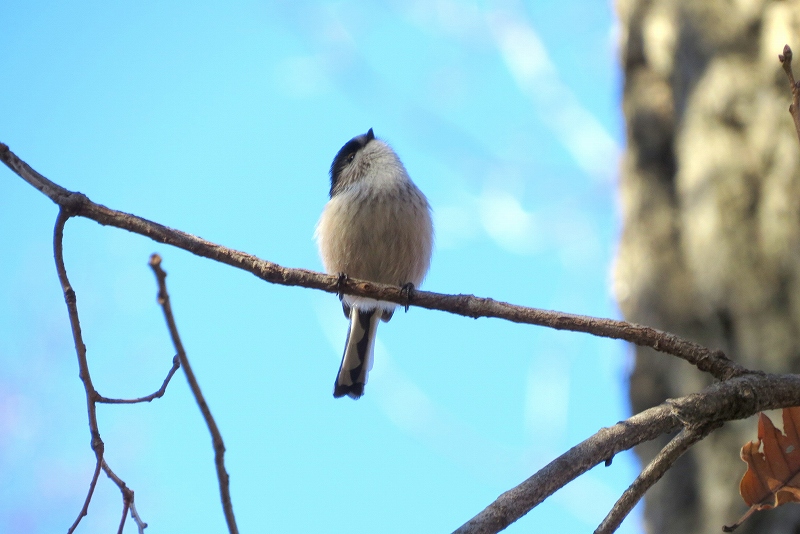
[652, 474]
[737, 398]
[127, 500]
[92, 396]
[83, 365]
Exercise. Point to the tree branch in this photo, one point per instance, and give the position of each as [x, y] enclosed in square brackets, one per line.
[85, 508]
[707, 360]
[127, 500]
[737, 398]
[216, 437]
[141, 525]
[92, 397]
[794, 107]
[601, 447]
[176, 363]
[83, 365]
[652, 474]
[125, 508]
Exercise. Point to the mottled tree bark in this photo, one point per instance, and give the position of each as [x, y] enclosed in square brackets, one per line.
[710, 246]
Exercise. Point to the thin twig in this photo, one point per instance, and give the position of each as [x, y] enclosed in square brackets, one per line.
[707, 360]
[127, 496]
[92, 397]
[176, 363]
[80, 349]
[737, 398]
[794, 107]
[652, 474]
[750, 511]
[85, 509]
[125, 509]
[216, 436]
[141, 525]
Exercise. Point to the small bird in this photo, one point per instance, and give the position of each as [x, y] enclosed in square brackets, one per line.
[376, 227]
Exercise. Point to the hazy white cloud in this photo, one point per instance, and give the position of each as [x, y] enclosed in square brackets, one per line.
[414, 412]
[305, 76]
[452, 17]
[17, 420]
[302, 76]
[588, 498]
[456, 224]
[593, 148]
[496, 213]
[508, 223]
[547, 399]
[529, 63]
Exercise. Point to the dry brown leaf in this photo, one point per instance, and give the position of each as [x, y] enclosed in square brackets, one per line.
[773, 465]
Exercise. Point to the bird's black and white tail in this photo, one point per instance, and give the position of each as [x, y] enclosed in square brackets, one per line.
[357, 358]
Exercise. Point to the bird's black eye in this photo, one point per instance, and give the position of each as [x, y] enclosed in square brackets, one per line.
[350, 157]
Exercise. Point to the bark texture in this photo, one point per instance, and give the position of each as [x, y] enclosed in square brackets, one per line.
[710, 246]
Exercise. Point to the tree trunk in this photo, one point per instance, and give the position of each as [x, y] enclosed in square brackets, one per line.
[710, 246]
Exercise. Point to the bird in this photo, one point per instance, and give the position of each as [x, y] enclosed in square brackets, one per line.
[377, 227]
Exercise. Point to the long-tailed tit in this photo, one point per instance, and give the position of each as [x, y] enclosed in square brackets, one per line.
[377, 227]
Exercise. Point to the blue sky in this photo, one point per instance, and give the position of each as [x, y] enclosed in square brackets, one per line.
[221, 119]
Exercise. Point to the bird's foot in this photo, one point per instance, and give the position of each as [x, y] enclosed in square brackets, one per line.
[340, 285]
[407, 290]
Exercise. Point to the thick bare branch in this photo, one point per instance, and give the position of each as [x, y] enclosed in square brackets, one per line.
[216, 436]
[711, 361]
[737, 398]
[599, 448]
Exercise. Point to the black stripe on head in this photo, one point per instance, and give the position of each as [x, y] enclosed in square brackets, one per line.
[346, 154]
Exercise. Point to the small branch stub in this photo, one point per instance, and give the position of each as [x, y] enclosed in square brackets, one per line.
[794, 107]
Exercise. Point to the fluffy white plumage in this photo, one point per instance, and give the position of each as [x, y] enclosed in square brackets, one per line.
[377, 227]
